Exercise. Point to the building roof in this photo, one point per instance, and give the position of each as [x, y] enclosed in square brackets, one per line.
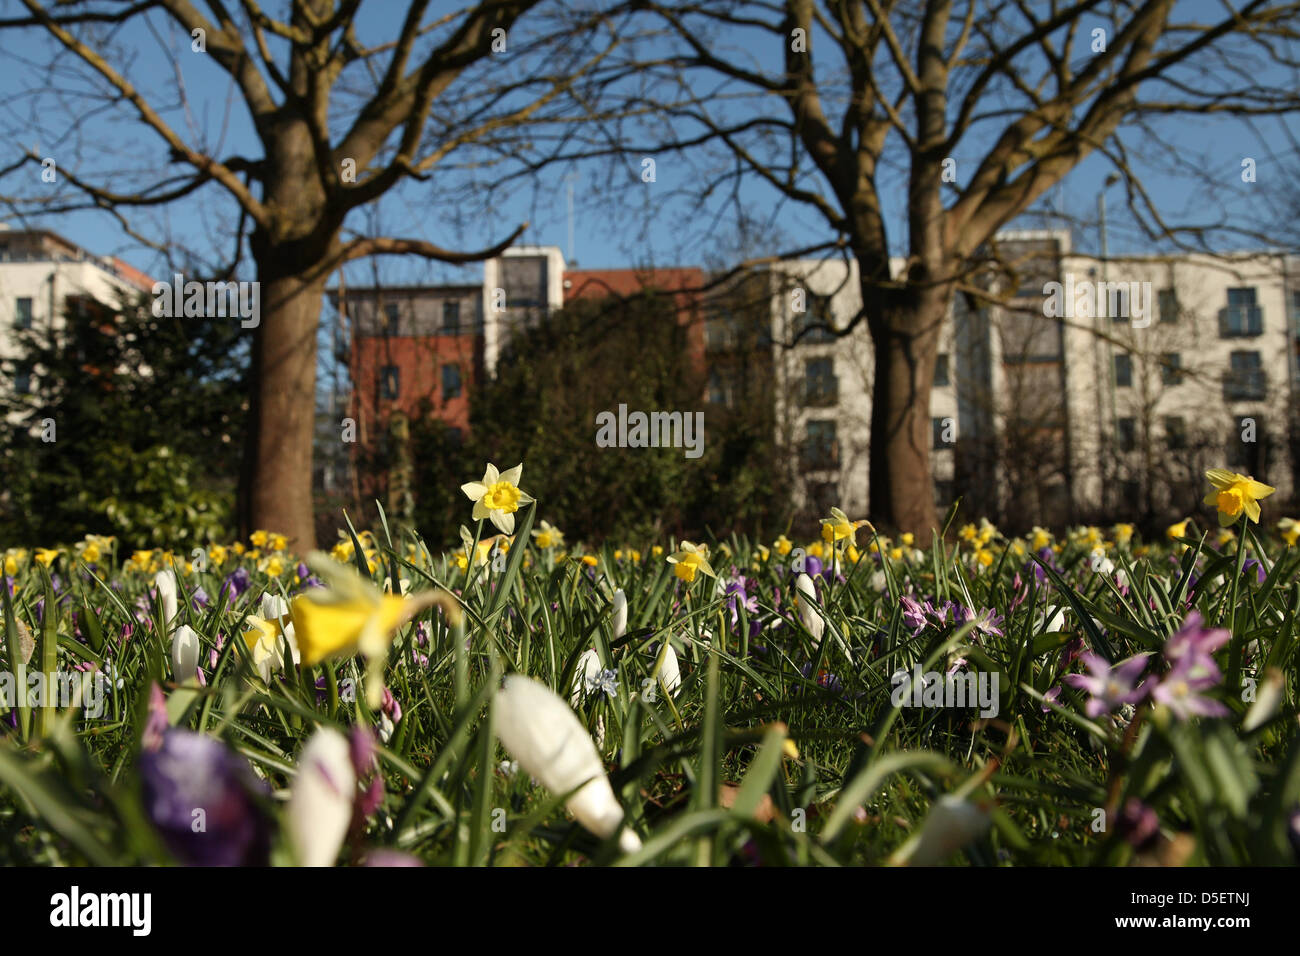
[35, 245]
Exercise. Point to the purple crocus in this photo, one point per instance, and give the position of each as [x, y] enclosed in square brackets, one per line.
[1181, 688]
[187, 777]
[236, 583]
[737, 594]
[914, 613]
[1255, 567]
[1110, 687]
[1195, 644]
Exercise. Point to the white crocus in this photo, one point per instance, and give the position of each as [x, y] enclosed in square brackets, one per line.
[185, 653]
[320, 799]
[808, 613]
[1099, 563]
[951, 824]
[165, 582]
[619, 616]
[539, 730]
[670, 672]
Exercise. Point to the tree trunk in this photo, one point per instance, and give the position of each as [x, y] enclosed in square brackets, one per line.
[282, 419]
[905, 338]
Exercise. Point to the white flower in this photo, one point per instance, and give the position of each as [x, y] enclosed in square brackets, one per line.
[276, 609]
[808, 614]
[539, 730]
[878, 581]
[1099, 563]
[670, 673]
[185, 653]
[1266, 703]
[1052, 621]
[320, 800]
[619, 617]
[165, 582]
[585, 675]
[498, 496]
[951, 824]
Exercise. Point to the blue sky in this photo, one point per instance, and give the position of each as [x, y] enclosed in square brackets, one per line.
[651, 223]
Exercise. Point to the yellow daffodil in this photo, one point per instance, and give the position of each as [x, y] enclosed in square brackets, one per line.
[238, 548]
[763, 553]
[140, 561]
[657, 551]
[45, 556]
[1225, 537]
[1289, 529]
[853, 554]
[968, 532]
[14, 557]
[590, 560]
[1234, 494]
[259, 538]
[277, 542]
[984, 556]
[350, 615]
[1042, 538]
[816, 550]
[1179, 530]
[838, 527]
[274, 566]
[263, 640]
[498, 496]
[907, 538]
[548, 536]
[783, 545]
[1123, 534]
[217, 554]
[689, 561]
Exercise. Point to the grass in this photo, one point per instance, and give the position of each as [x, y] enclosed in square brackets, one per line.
[707, 774]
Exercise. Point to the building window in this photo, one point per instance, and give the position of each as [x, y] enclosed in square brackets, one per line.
[821, 388]
[941, 378]
[1115, 300]
[1168, 305]
[816, 318]
[1175, 433]
[388, 318]
[1126, 430]
[1242, 317]
[23, 313]
[1171, 368]
[821, 450]
[718, 388]
[1123, 370]
[389, 382]
[1245, 381]
[450, 382]
[22, 382]
[450, 318]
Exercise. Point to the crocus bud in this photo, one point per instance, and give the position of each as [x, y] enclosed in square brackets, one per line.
[1266, 703]
[185, 653]
[321, 798]
[539, 730]
[669, 670]
[951, 825]
[619, 619]
[808, 614]
[165, 582]
[584, 675]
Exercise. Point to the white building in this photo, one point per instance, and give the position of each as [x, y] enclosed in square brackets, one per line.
[1071, 393]
[39, 273]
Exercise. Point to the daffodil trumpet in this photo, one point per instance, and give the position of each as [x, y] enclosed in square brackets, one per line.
[350, 615]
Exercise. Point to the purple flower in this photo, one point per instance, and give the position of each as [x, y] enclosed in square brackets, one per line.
[188, 777]
[390, 858]
[1195, 644]
[1254, 565]
[303, 571]
[813, 566]
[236, 583]
[1110, 687]
[1138, 823]
[914, 614]
[1051, 697]
[737, 593]
[1181, 687]
[199, 599]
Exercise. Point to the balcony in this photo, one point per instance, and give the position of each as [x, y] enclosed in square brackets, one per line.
[1241, 321]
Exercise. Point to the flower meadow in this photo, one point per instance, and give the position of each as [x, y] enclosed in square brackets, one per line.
[517, 699]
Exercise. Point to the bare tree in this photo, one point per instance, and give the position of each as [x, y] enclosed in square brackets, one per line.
[979, 107]
[339, 123]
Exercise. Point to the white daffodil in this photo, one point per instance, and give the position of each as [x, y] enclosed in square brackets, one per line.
[276, 610]
[498, 496]
[539, 730]
[807, 595]
[952, 823]
[321, 798]
[185, 653]
[263, 640]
